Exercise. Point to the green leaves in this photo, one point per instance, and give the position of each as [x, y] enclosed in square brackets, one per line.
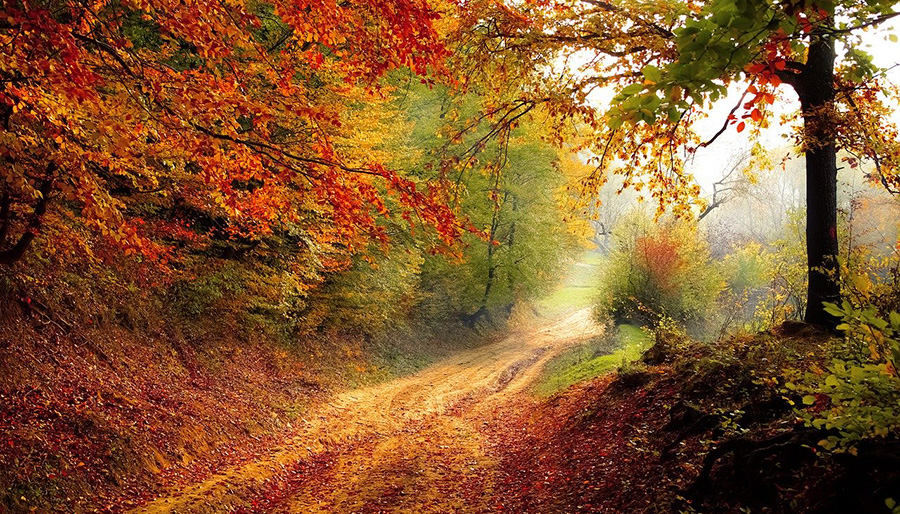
[861, 65]
[631, 90]
[637, 102]
[862, 389]
[713, 48]
[652, 73]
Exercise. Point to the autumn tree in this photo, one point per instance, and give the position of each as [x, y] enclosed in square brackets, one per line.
[669, 62]
[140, 121]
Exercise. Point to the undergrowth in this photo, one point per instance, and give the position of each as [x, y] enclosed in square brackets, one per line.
[708, 428]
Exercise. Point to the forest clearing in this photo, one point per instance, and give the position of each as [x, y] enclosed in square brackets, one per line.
[526, 256]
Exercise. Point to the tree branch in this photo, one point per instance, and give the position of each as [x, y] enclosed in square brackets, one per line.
[106, 48]
[606, 6]
[728, 118]
[874, 21]
[12, 255]
[257, 145]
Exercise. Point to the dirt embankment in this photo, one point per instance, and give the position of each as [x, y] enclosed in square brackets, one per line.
[697, 428]
[101, 414]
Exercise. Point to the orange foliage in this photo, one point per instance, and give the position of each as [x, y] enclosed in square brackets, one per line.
[226, 109]
[660, 256]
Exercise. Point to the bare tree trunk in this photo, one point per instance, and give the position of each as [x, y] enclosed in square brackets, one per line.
[816, 91]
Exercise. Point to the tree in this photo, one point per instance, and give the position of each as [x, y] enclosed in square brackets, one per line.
[510, 188]
[732, 182]
[241, 113]
[669, 62]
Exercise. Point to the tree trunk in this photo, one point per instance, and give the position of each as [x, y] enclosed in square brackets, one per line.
[510, 242]
[16, 251]
[816, 92]
[491, 267]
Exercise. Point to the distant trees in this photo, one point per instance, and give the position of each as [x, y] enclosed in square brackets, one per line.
[510, 187]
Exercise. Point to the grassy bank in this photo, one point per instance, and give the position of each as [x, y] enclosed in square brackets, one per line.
[598, 356]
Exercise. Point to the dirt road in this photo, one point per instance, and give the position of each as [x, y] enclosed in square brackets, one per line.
[410, 445]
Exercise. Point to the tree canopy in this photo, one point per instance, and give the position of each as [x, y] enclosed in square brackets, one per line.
[669, 62]
[156, 126]
[246, 114]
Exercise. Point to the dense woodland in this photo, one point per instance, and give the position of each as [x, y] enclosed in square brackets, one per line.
[216, 216]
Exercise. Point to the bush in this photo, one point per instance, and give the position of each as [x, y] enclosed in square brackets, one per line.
[658, 270]
[858, 396]
[786, 273]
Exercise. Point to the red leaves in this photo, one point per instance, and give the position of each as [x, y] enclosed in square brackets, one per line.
[584, 450]
[805, 25]
[209, 114]
[755, 68]
[762, 95]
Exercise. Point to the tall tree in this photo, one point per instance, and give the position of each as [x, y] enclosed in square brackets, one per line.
[510, 188]
[669, 62]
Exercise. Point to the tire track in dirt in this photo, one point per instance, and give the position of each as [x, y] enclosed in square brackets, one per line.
[410, 445]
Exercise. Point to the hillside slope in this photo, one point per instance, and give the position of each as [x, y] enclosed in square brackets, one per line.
[689, 428]
[99, 416]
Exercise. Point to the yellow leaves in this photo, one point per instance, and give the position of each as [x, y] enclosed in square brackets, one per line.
[862, 283]
[874, 352]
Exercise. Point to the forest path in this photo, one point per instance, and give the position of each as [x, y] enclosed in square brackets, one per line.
[409, 445]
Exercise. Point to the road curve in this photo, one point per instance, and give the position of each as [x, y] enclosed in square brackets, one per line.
[409, 445]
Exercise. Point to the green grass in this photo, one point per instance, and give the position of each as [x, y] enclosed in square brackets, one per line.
[597, 357]
[579, 287]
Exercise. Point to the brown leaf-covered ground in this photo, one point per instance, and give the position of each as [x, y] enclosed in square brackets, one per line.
[467, 435]
[418, 444]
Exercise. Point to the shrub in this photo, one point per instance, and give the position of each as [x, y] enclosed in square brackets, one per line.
[785, 270]
[858, 396]
[657, 271]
